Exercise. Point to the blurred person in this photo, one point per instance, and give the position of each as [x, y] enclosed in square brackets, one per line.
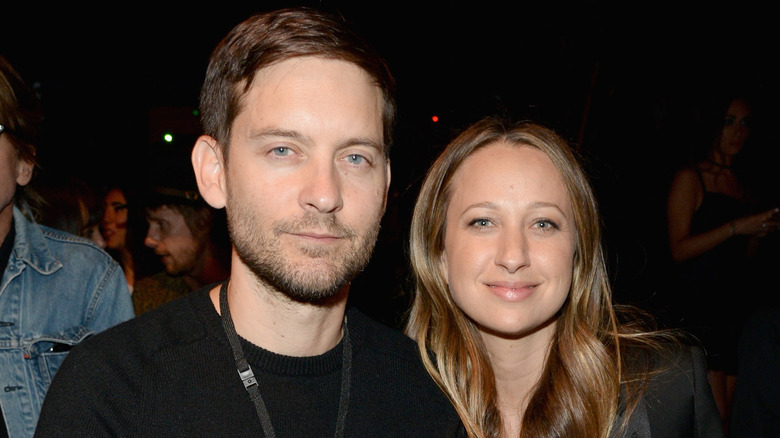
[187, 234]
[297, 111]
[713, 224]
[513, 311]
[57, 289]
[69, 204]
[124, 229]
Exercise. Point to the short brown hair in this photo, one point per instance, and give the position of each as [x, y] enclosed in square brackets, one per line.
[268, 38]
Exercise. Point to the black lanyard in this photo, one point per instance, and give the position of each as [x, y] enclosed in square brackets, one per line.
[251, 385]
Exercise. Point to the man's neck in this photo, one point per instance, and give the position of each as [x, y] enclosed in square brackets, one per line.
[6, 219]
[273, 321]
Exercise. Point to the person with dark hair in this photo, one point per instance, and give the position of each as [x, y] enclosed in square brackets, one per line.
[69, 204]
[124, 227]
[297, 111]
[186, 233]
[57, 289]
[513, 311]
[714, 224]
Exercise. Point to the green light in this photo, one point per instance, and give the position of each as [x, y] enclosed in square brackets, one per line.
[168, 137]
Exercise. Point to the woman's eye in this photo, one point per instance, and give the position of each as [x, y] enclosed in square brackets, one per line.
[546, 224]
[480, 223]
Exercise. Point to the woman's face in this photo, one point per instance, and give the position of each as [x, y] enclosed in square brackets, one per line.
[509, 240]
[735, 128]
[114, 225]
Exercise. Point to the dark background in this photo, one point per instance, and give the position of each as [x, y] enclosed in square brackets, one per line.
[629, 86]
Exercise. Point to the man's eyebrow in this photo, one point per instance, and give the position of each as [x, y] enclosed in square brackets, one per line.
[363, 141]
[295, 135]
[275, 132]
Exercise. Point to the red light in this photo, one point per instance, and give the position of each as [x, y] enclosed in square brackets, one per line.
[435, 119]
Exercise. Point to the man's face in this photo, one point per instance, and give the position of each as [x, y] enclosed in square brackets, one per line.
[13, 172]
[172, 240]
[307, 177]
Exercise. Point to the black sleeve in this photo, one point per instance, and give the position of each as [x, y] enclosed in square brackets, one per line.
[756, 409]
[679, 400]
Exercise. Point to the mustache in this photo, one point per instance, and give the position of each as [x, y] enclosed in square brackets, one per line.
[311, 221]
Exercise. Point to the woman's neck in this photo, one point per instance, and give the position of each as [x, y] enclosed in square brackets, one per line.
[719, 159]
[517, 366]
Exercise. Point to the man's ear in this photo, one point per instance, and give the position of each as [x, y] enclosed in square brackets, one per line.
[208, 164]
[387, 184]
[24, 171]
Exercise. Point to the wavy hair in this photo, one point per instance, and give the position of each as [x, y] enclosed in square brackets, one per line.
[580, 385]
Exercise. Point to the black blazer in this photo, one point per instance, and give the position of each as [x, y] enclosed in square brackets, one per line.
[677, 403]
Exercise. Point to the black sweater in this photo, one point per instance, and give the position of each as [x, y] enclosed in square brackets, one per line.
[171, 373]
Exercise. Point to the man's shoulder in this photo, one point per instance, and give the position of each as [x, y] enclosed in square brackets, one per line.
[75, 247]
[388, 354]
[157, 289]
[390, 377]
[47, 247]
[381, 338]
[179, 322]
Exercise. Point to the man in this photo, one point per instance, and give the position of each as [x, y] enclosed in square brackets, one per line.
[297, 112]
[56, 290]
[182, 232]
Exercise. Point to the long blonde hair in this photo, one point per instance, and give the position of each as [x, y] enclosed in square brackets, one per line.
[579, 388]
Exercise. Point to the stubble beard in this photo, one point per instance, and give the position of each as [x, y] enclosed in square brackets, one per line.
[332, 268]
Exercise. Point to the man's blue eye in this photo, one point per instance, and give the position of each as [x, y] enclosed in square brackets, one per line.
[281, 150]
[356, 159]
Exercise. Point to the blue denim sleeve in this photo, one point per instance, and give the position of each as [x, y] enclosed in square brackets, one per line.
[111, 302]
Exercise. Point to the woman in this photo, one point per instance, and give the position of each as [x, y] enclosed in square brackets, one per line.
[712, 224]
[513, 312]
[124, 230]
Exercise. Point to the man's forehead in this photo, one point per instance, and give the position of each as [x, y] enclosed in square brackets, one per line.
[285, 93]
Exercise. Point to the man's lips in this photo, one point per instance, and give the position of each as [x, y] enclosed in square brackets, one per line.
[316, 236]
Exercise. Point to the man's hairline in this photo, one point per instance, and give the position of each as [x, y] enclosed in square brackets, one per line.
[243, 87]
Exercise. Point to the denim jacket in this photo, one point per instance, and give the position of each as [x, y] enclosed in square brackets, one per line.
[57, 290]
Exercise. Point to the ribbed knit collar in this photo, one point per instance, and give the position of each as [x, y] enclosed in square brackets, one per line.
[263, 360]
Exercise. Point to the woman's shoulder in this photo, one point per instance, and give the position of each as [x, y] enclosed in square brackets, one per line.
[677, 399]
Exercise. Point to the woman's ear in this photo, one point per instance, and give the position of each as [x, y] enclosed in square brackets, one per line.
[209, 167]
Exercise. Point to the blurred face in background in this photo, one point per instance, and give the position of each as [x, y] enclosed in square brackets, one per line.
[736, 128]
[169, 236]
[114, 224]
